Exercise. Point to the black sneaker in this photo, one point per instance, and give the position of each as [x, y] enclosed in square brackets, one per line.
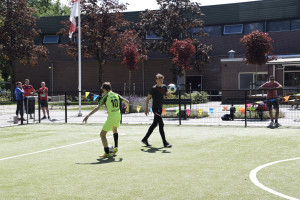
[44, 117]
[145, 142]
[49, 117]
[167, 145]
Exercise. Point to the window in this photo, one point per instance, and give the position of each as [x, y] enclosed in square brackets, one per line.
[213, 30]
[295, 24]
[152, 36]
[50, 39]
[277, 26]
[247, 80]
[233, 29]
[248, 28]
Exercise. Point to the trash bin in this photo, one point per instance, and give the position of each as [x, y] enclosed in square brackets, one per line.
[30, 104]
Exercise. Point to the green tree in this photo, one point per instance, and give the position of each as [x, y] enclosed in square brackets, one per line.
[45, 8]
[103, 32]
[17, 36]
[175, 20]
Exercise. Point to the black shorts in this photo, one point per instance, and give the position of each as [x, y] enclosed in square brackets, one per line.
[44, 103]
[274, 103]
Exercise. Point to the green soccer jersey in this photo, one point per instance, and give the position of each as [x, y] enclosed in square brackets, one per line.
[111, 100]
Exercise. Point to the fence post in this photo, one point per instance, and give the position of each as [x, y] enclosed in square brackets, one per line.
[66, 111]
[179, 93]
[191, 95]
[39, 107]
[22, 108]
[245, 108]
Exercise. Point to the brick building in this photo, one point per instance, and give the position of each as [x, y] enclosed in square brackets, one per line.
[225, 24]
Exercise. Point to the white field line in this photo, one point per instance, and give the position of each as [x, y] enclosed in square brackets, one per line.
[54, 148]
[258, 184]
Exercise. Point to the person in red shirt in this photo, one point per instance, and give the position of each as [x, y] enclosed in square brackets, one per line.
[271, 87]
[28, 91]
[43, 91]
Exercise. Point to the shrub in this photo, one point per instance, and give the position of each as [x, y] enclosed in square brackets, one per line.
[199, 97]
[5, 95]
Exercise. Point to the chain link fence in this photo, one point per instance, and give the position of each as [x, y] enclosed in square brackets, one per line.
[199, 107]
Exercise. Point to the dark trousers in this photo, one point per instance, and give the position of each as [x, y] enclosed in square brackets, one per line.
[20, 108]
[157, 120]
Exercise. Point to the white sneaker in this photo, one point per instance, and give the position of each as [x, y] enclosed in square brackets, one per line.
[271, 124]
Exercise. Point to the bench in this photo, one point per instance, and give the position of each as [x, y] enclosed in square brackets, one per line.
[57, 99]
[177, 101]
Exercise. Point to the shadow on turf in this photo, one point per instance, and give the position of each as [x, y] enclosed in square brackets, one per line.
[154, 150]
[102, 161]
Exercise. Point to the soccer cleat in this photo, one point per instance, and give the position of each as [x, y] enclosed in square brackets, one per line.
[49, 117]
[145, 142]
[115, 150]
[44, 117]
[105, 155]
[167, 145]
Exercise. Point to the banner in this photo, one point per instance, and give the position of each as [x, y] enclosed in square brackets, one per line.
[242, 110]
[177, 111]
[200, 112]
[188, 112]
[286, 98]
[86, 94]
[211, 110]
[164, 111]
[225, 108]
[138, 108]
[95, 97]
[151, 111]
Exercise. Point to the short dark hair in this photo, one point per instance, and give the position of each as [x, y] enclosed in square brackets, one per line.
[107, 86]
[271, 77]
[17, 83]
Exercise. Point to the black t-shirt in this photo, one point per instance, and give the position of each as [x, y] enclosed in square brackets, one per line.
[158, 95]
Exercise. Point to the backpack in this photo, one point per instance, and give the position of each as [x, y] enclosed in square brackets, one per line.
[225, 117]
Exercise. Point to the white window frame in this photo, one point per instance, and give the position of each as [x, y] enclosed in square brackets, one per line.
[253, 77]
[51, 42]
[242, 29]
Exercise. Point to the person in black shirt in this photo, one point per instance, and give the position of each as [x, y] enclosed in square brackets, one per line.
[157, 94]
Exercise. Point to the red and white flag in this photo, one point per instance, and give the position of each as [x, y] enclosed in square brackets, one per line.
[74, 13]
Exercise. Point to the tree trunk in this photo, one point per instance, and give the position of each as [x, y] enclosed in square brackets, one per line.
[100, 78]
[129, 82]
[255, 79]
[12, 78]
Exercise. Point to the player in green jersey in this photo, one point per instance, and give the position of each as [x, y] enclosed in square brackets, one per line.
[111, 101]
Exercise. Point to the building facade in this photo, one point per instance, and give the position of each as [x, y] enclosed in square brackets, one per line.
[225, 24]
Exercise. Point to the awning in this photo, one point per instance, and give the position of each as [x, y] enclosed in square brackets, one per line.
[285, 62]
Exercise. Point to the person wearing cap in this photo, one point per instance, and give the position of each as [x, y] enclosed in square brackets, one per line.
[271, 87]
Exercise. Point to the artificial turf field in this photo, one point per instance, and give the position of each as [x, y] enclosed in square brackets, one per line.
[204, 163]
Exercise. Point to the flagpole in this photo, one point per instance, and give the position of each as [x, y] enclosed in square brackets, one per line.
[79, 59]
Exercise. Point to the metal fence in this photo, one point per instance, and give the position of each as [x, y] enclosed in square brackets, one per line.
[207, 107]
